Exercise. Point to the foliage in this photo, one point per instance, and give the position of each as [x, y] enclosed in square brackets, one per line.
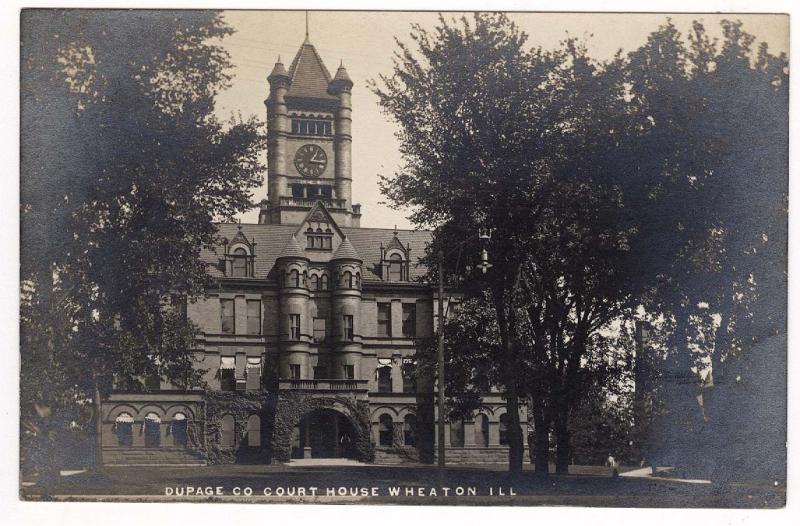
[651, 186]
[124, 171]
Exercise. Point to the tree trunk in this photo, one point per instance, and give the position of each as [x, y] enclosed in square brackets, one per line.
[562, 441]
[541, 440]
[516, 446]
[507, 327]
[97, 406]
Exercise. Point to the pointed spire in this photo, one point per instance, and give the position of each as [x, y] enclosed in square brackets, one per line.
[341, 81]
[292, 249]
[346, 251]
[278, 72]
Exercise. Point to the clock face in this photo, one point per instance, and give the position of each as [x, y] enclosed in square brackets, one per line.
[310, 160]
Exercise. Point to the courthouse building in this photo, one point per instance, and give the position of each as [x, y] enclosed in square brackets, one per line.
[308, 338]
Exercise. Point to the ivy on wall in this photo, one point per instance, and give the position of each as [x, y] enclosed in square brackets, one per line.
[292, 406]
[279, 415]
[240, 405]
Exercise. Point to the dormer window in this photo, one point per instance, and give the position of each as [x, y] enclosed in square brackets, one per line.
[395, 267]
[240, 263]
[395, 260]
[239, 258]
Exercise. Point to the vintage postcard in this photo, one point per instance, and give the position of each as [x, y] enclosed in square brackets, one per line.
[398, 257]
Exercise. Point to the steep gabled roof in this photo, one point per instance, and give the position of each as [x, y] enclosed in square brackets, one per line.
[310, 78]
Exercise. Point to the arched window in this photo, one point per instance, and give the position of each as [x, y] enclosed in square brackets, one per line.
[305, 279]
[314, 282]
[395, 267]
[385, 430]
[481, 430]
[239, 263]
[347, 280]
[503, 429]
[410, 430]
[123, 426]
[457, 432]
[323, 282]
[253, 431]
[358, 280]
[227, 436]
[152, 430]
[179, 430]
[294, 278]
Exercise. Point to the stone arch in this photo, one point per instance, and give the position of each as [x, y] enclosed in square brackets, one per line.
[376, 413]
[293, 406]
[121, 408]
[407, 410]
[150, 408]
[178, 408]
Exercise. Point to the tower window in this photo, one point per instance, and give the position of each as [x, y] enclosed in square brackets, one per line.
[294, 326]
[312, 127]
[348, 326]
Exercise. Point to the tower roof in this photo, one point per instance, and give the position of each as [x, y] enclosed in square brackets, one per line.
[278, 70]
[309, 76]
[346, 251]
[292, 249]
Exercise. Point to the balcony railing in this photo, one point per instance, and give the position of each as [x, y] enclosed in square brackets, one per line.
[329, 202]
[323, 385]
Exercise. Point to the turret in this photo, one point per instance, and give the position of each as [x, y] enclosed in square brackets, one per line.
[278, 127]
[341, 86]
[346, 307]
[294, 324]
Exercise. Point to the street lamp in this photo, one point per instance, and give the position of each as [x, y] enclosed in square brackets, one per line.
[484, 265]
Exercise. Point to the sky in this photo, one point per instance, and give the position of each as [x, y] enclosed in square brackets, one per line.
[365, 42]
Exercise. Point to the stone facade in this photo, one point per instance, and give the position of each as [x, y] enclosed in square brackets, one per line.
[307, 342]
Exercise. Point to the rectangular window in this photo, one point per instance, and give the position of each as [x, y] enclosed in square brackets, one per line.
[297, 190]
[385, 319]
[385, 379]
[348, 327]
[320, 329]
[253, 316]
[227, 373]
[320, 372]
[326, 191]
[227, 316]
[253, 373]
[349, 372]
[409, 320]
[294, 371]
[294, 326]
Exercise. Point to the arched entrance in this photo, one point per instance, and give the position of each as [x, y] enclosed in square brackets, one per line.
[340, 424]
[324, 433]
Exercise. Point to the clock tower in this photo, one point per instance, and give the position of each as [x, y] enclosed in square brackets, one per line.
[308, 142]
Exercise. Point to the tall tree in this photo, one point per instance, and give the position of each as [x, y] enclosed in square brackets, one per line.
[124, 171]
[472, 107]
